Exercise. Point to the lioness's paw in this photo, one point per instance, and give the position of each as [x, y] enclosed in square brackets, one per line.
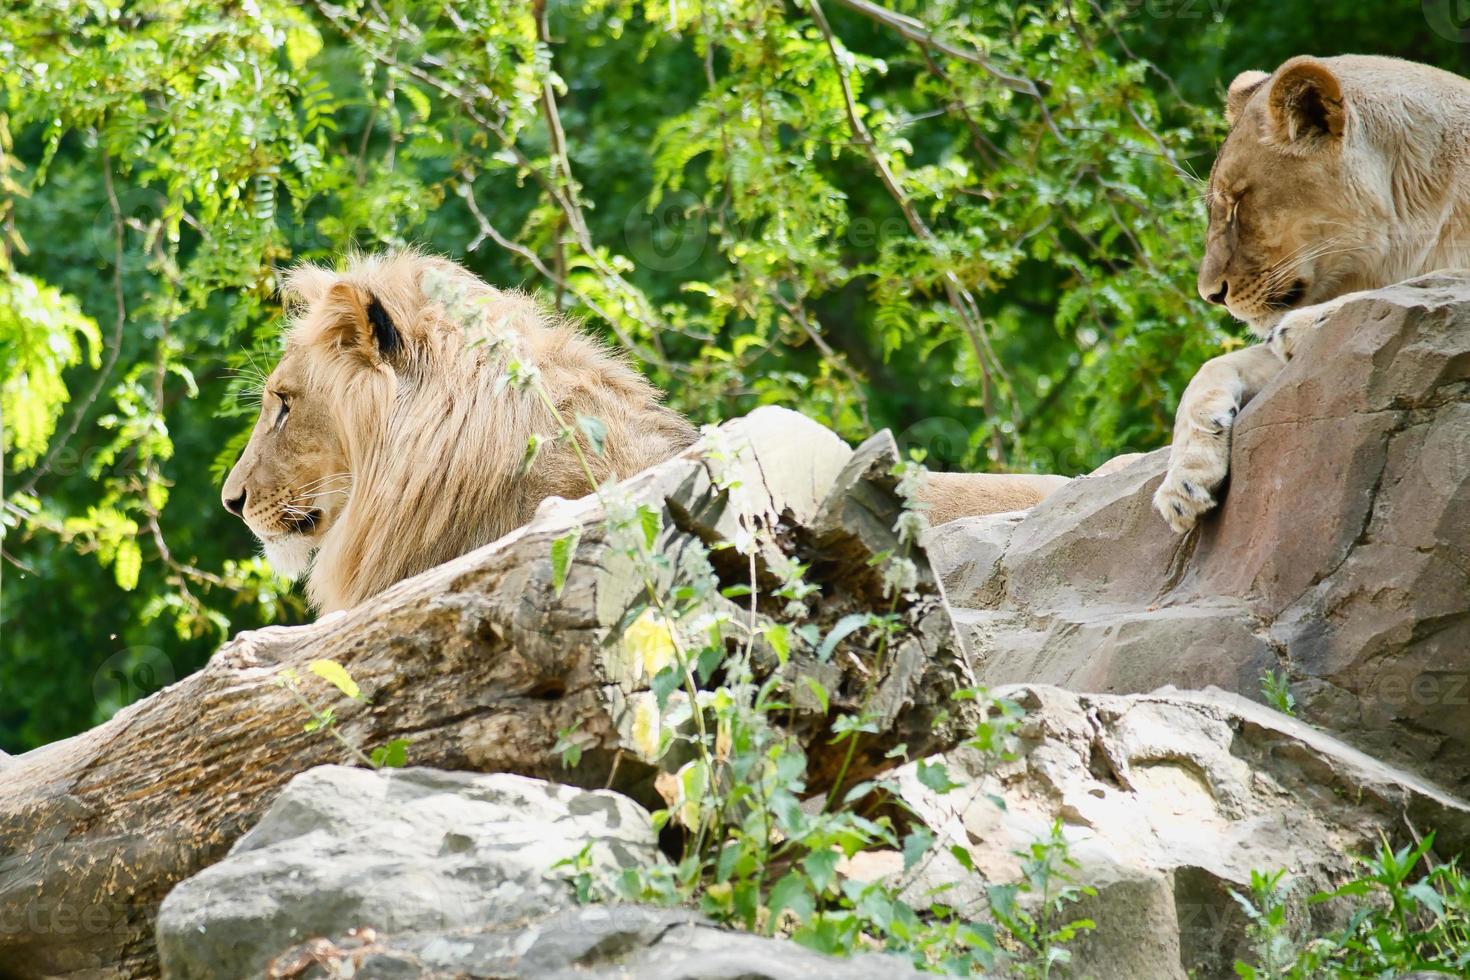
[1287, 334]
[1182, 499]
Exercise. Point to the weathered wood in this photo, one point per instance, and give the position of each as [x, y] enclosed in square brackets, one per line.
[480, 663]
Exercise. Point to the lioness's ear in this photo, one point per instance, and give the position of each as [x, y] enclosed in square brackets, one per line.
[1306, 101]
[1240, 93]
[361, 325]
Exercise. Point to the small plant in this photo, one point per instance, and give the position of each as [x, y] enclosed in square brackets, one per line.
[393, 755]
[1401, 922]
[1276, 689]
[1269, 933]
[1044, 931]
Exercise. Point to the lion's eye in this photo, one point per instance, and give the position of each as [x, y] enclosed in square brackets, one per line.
[285, 410]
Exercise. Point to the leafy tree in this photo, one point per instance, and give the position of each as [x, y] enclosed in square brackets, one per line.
[975, 223]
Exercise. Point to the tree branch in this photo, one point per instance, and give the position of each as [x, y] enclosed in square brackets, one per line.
[914, 30]
[114, 345]
[960, 298]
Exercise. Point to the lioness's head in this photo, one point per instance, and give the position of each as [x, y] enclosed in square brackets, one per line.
[294, 479]
[1329, 182]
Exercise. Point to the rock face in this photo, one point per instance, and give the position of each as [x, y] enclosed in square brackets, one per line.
[399, 851]
[1168, 802]
[1341, 554]
[421, 873]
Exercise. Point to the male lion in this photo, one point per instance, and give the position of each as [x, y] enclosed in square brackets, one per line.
[1339, 175]
[389, 441]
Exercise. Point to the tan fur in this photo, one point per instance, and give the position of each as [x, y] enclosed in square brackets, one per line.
[389, 462]
[1339, 175]
[950, 496]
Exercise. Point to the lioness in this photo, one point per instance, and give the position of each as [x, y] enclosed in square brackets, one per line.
[1338, 175]
[389, 441]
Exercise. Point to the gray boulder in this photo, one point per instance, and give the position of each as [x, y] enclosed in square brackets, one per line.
[1341, 554]
[397, 851]
[421, 873]
[620, 942]
[1168, 801]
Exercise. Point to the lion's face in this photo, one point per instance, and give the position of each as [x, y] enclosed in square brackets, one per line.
[292, 481]
[1298, 211]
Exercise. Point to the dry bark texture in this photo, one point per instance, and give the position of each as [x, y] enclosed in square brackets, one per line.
[480, 664]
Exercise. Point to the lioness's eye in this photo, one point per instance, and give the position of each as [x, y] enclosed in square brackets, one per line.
[285, 410]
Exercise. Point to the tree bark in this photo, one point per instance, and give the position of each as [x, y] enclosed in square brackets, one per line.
[480, 664]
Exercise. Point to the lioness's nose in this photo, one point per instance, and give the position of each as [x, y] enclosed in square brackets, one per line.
[1215, 293]
[236, 505]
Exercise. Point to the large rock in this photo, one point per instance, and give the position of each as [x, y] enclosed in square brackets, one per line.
[1168, 802]
[421, 873]
[398, 851]
[620, 942]
[1341, 554]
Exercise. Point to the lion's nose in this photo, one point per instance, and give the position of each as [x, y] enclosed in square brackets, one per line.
[236, 505]
[1217, 296]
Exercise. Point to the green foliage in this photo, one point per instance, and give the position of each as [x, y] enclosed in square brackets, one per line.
[1044, 931]
[1400, 921]
[323, 718]
[760, 851]
[762, 203]
[1276, 689]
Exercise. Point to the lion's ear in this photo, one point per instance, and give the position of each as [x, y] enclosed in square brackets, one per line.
[1240, 93]
[360, 324]
[1306, 101]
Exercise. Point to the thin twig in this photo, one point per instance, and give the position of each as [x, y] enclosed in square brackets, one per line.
[960, 298]
[465, 189]
[636, 306]
[114, 346]
[915, 30]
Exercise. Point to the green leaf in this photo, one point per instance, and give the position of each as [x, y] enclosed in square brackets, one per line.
[916, 845]
[533, 449]
[127, 563]
[845, 627]
[336, 675]
[779, 637]
[664, 684]
[819, 692]
[652, 522]
[393, 755]
[821, 867]
[595, 431]
[791, 892]
[1424, 893]
[563, 549]
[936, 776]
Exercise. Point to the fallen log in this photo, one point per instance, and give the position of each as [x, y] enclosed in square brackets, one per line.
[482, 664]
